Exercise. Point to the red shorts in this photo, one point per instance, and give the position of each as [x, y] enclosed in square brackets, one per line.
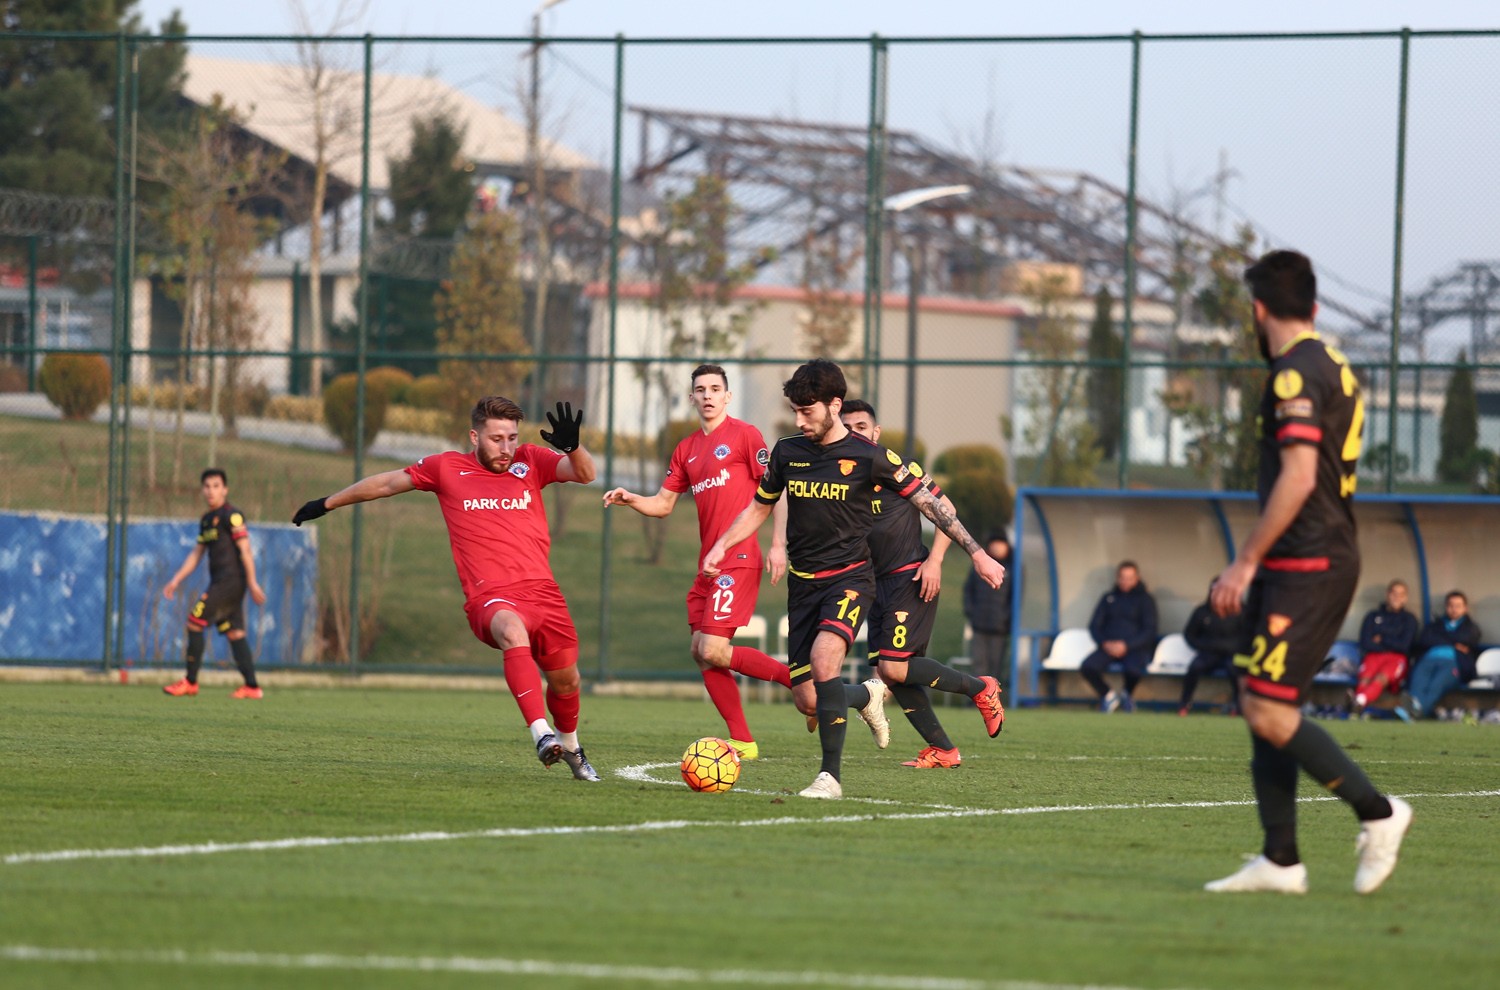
[720, 605]
[554, 640]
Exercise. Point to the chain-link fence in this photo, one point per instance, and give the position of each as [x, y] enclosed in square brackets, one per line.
[302, 258]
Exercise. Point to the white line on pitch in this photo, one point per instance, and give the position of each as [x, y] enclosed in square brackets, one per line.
[519, 967]
[311, 842]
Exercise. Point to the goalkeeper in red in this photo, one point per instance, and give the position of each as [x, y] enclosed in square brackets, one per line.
[721, 463]
[491, 499]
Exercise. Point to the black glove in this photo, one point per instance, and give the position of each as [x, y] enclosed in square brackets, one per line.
[565, 427]
[311, 510]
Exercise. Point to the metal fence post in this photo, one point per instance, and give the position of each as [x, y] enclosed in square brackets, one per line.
[112, 523]
[606, 532]
[1392, 395]
[127, 347]
[361, 346]
[874, 218]
[31, 304]
[1130, 246]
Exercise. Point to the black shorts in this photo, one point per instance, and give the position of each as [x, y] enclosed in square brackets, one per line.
[900, 623]
[221, 606]
[1295, 618]
[837, 604]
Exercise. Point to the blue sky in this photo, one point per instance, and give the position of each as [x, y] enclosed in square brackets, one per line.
[847, 17]
[1306, 129]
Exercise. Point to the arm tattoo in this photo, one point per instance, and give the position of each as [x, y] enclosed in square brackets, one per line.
[945, 519]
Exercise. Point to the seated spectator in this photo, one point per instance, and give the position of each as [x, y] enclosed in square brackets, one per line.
[1124, 626]
[1385, 643]
[1216, 639]
[988, 612]
[1449, 651]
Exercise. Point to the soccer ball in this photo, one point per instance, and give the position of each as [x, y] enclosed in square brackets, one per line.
[711, 765]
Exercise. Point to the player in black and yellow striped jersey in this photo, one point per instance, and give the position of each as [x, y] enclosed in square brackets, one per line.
[1300, 566]
[830, 477]
[223, 537]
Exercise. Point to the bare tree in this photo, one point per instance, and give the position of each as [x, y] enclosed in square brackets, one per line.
[323, 79]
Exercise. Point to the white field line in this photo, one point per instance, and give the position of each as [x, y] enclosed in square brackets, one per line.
[517, 967]
[934, 812]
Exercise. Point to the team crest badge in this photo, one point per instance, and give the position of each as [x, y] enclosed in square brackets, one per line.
[1278, 624]
[901, 617]
[721, 451]
[1288, 384]
[520, 470]
[846, 466]
[725, 581]
[851, 594]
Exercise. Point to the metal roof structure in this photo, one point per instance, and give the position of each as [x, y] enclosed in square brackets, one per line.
[794, 179]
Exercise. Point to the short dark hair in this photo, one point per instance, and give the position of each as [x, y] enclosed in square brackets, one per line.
[494, 407]
[1455, 593]
[858, 406]
[996, 536]
[709, 369]
[1127, 563]
[1284, 283]
[819, 380]
[1397, 583]
[214, 473]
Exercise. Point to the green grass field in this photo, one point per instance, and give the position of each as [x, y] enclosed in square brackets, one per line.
[408, 569]
[1069, 851]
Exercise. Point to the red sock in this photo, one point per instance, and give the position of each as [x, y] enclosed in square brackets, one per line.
[525, 682]
[725, 694]
[751, 662]
[564, 709]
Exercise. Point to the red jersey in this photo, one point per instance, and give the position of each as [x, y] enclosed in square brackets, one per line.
[496, 523]
[722, 469]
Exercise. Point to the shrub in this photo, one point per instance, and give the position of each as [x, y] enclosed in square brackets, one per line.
[970, 457]
[12, 378]
[896, 440]
[339, 408]
[983, 499]
[75, 383]
[392, 381]
[406, 419]
[672, 433]
[428, 392]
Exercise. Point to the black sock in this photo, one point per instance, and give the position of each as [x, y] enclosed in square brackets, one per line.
[1131, 680]
[855, 695]
[243, 660]
[1327, 763]
[928, 672]
[832, 722]
[1274, 774]
[194, 654]
[1189, 687]
[918, 710]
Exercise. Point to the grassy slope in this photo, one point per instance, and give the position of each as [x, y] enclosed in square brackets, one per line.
[409, 570]
[1103, 896]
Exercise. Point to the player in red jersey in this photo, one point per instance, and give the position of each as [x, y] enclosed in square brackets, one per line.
[491, 499]
[721, 463]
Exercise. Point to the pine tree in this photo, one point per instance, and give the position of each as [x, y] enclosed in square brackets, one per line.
[1105, 390]
[1458, 431]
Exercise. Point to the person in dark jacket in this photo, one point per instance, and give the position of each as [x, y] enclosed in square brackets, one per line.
[1124, 626]
[988, 612]
[1449, 650]
[1215, 639]
[1385, 643]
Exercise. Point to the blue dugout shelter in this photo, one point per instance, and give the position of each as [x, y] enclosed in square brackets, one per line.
[1069, 541]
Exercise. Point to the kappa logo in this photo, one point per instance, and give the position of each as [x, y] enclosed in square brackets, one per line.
[840, 720]
[480, 504]
[725, 581]
[846, 466]
[721, 451]
[520, 470]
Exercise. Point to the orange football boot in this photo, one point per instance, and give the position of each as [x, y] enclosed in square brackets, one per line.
[182, 688]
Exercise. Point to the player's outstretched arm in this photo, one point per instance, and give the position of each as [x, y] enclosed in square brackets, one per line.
[658, 505]
[565, 434]
[945, 518]
[382, 485]
[169, 591]
[747, 522]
